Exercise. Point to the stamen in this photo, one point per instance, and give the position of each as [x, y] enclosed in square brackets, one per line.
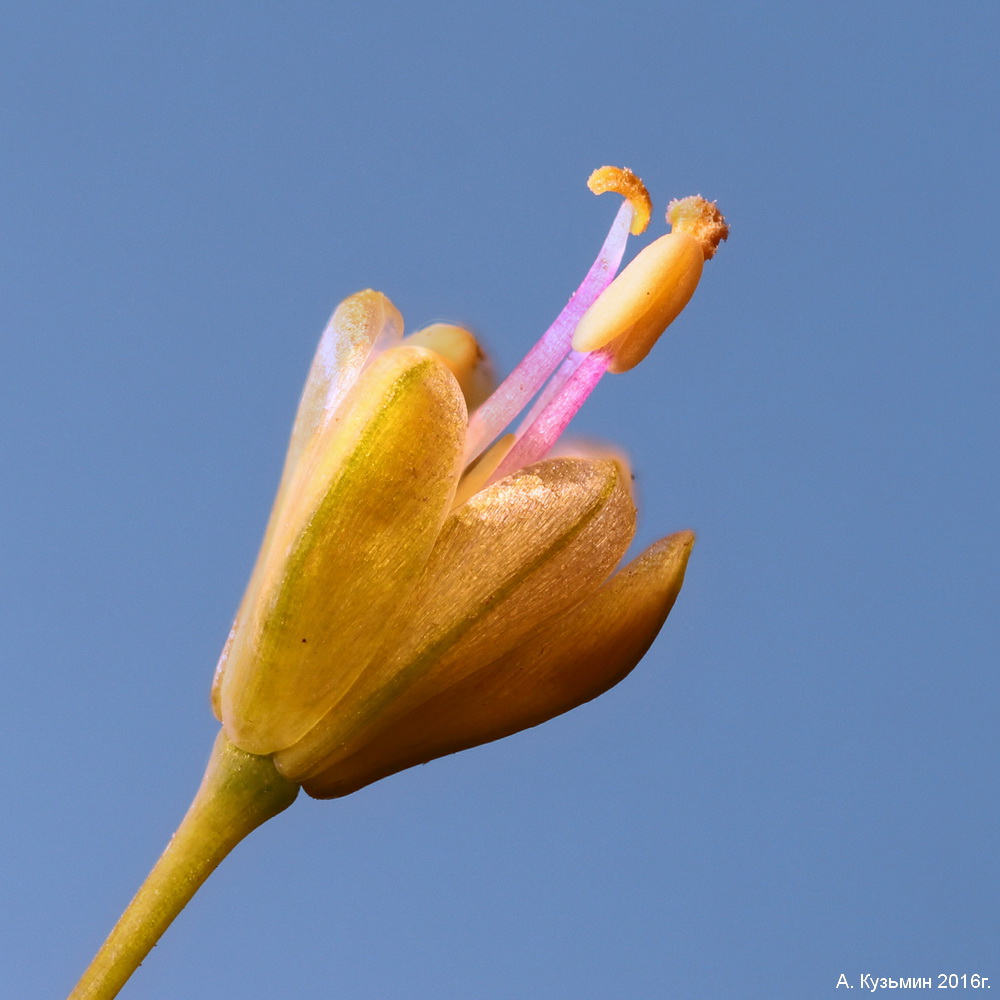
[643, 300]
[649, 294]
[536, 441]
[543, 359]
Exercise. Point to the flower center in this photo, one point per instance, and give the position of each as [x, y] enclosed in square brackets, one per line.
[609, 324]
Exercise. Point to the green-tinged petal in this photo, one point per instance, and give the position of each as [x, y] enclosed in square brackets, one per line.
[349, 544]
[562, 665]
[516, 555]
[364, 323]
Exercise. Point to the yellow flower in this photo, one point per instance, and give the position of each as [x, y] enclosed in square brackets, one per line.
[428, 582]
[415, 596]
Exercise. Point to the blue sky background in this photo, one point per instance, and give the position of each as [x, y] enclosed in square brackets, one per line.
[800, 779]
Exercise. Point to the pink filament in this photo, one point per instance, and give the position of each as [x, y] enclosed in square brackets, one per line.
[541, 361]
[535, 442]
[552, 389]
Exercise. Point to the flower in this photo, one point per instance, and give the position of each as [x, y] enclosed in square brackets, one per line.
[427, 583]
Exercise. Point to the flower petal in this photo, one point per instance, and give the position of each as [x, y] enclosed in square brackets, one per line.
[515, 556]
[364, 322]
[562, 665]
[362, 325]
[350, 541]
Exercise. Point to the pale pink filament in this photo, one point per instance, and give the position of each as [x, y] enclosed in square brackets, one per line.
[552, 389]
[542, 360]
[535, 442]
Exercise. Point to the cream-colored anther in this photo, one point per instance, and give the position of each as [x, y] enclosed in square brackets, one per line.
[642, 301]
[460, 351]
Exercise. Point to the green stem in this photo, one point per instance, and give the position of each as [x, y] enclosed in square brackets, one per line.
[238, 793]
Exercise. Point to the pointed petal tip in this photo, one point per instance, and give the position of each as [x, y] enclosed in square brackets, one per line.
[678, 545]
[661, 568]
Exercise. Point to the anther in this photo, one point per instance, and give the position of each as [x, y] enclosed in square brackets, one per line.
[635, 309]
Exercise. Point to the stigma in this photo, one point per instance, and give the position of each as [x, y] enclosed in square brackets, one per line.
[622, 181]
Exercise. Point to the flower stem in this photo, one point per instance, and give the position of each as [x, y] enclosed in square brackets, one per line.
[238, 793]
